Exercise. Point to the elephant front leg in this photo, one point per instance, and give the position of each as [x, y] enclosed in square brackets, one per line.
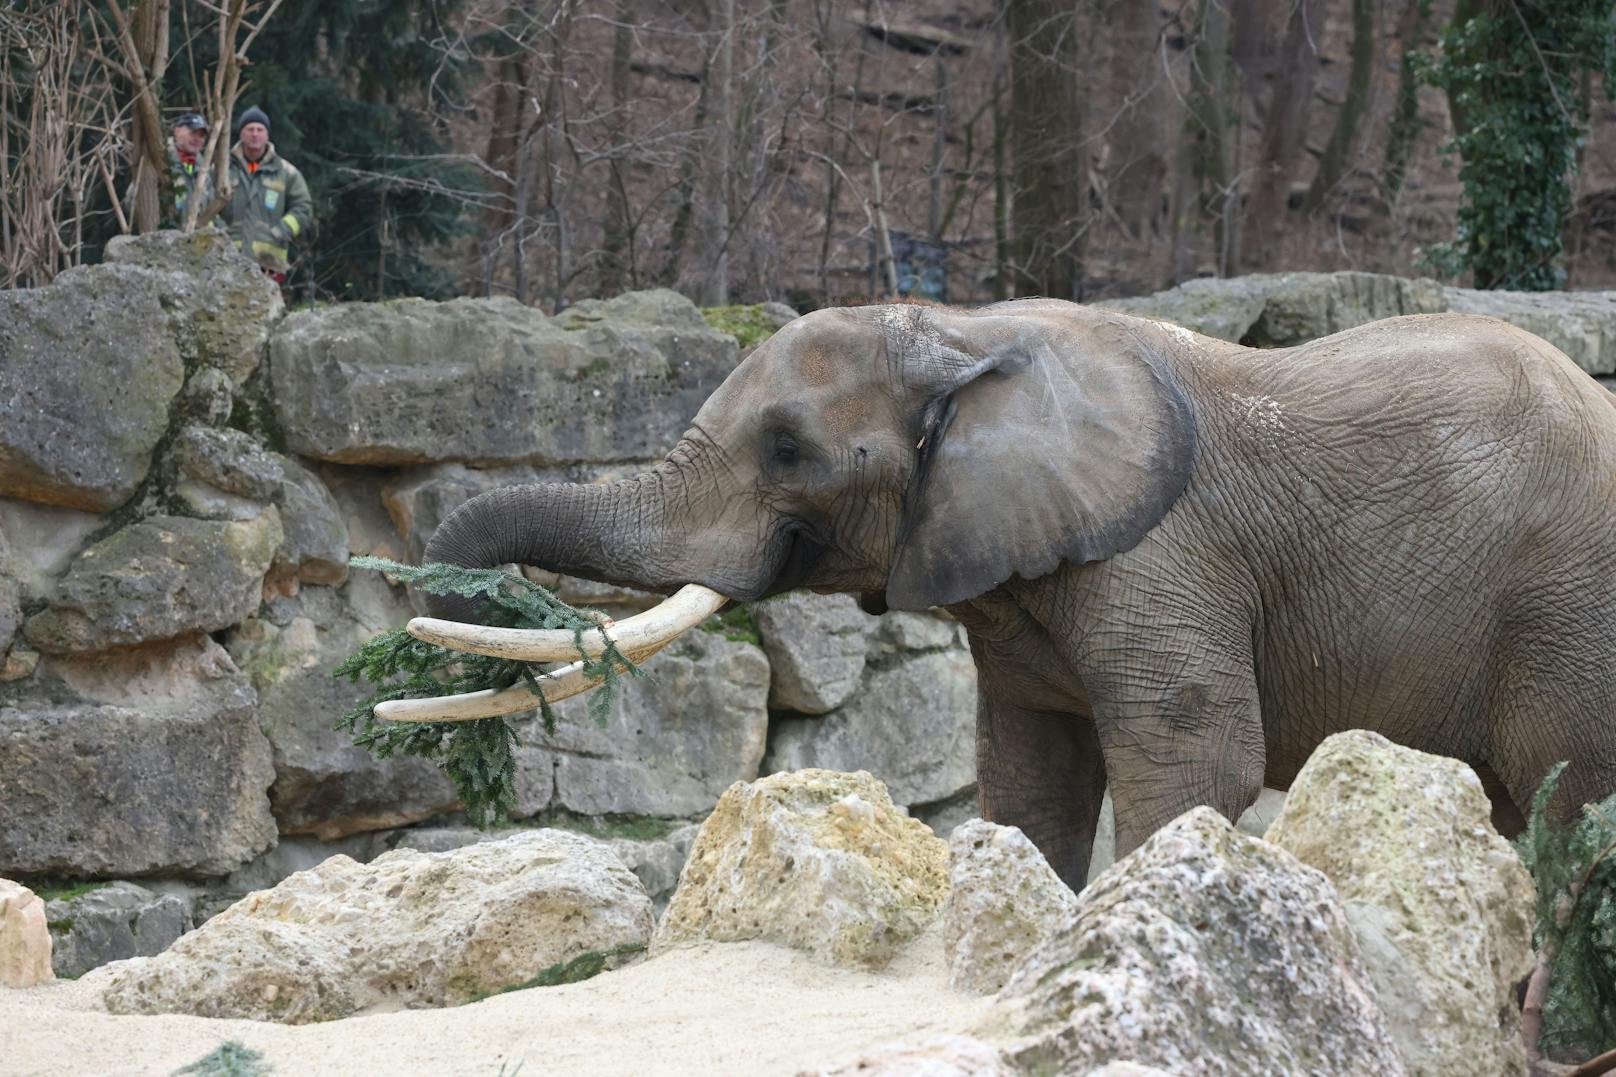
[1043, 773]
[1179, 727]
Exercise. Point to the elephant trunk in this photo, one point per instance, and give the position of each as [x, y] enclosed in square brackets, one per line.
[573, 528]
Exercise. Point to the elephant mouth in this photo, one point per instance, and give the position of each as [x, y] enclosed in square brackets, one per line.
[803, 551]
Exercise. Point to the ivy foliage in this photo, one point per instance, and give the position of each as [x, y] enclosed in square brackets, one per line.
[1573, 866]
[478, 756]
[1511, 70]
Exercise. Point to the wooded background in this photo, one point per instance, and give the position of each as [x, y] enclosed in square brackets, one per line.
[823, 151]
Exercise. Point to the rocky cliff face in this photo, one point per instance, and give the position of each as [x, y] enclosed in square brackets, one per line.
[184, 470]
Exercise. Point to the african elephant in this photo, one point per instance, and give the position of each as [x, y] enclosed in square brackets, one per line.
[1182, 563]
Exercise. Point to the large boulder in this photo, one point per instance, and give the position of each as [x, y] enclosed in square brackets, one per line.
[113, 923]
[1442, 906]
[814, 860]
[220, 304]
[88, 369]
[156, 579]
[912, 724]
[324, 785]
[407, 930]
[393, 383]
[1004, 901]
[229, 475]
[1203, 952]
[1277, 310]
[816, 646]
[25, 941]
[38, 543]
[673, 740]
[139, 762]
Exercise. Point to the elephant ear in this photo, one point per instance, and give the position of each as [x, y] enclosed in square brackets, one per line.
[1046, 435]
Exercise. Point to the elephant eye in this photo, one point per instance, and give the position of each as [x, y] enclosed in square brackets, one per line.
[785, 449]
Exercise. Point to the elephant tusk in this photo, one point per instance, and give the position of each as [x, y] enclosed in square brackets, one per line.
[557, 685]
[657, 626]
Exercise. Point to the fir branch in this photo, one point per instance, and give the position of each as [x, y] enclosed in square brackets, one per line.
[478, 756]
[1571, 998]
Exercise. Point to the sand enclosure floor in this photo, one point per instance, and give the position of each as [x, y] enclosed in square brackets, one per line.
[707, 1008]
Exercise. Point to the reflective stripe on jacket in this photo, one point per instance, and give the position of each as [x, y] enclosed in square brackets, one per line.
[269, 206]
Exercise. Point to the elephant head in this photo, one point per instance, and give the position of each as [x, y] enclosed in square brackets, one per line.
[917, 456]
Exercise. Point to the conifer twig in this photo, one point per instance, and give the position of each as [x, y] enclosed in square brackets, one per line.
[478, 756]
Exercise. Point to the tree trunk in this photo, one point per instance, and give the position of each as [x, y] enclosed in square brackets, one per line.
[145, 48]
[710, 284]
[1048, 160]
[1204, 188]
[1333, 165]
[1137, 113]
[1289, 98]
[617, 269]
[1405, 122]
[505, 141]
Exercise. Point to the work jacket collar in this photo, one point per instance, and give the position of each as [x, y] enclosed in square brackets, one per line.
[267, 161]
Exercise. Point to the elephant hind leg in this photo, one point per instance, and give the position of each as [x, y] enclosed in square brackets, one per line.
[1043, 773]
[1552, 701]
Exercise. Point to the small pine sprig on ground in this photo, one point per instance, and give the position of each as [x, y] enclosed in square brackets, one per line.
[229, 1059]
[1571, 998]
[478, 756]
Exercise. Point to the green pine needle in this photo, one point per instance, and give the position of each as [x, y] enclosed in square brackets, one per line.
[1579, 1014]
[229, 1059]
[478, 756]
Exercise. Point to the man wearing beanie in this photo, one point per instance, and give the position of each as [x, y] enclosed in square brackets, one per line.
[269, 199]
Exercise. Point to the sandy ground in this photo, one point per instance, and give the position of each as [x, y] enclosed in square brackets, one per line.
[708, 1008]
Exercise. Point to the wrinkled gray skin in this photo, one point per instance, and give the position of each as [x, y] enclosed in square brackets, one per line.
[1182, 563]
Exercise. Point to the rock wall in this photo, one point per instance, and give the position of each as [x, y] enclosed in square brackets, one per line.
[185, 469]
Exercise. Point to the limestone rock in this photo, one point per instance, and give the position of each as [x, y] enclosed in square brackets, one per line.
[1254, 821]
[38, 542]
[229, 461]
[816, 646]
[1277, 310]
[912, 725]
[391, 383]
[654, 861]
[1004, 901]
[25, 942]
[157, 579]
[80, 433]
[113, 923]
[674, 740]
[1442, 906]
[406, 930]
[1581, 324]
[902, 631]
[220, 305]
[1203, 952]
[814, 860]
[314, 543]
[229, 475]
[10, 611]
[140, 762]
[324, 785]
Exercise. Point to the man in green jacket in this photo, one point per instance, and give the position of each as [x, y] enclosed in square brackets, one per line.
[269, 200]
[187, 173]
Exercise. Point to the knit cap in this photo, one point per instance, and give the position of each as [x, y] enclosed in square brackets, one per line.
[252, 115]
